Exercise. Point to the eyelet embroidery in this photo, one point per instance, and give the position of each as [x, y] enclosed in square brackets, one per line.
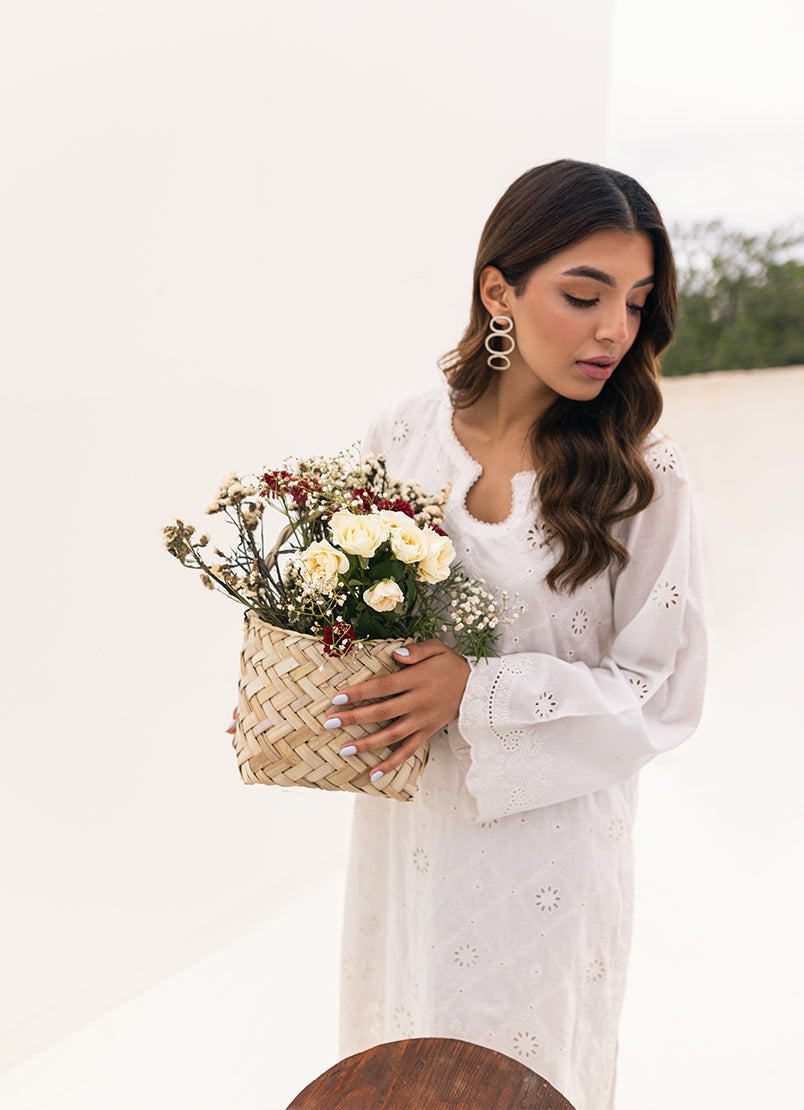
[525, 1045]
[539, 535]
[519, 799]
[421, 860]
[665, 595]
[400, 431]
[466, 956]
[639, 687]
[595, 971]
[548, 899]
[403, 1020]
[579, 622]
[545, 706]
[662, 457]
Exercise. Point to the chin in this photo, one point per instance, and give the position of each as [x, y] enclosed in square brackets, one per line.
[584, 391]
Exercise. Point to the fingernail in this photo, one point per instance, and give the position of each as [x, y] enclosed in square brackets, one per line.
[401, 651]
[340, 699]
[232, 724]
[376, 775]
[350, 749]
[333, 722]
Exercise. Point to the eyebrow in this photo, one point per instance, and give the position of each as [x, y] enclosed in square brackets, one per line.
[602, 276]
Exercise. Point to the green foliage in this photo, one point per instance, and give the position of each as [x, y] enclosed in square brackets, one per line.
[742, 300]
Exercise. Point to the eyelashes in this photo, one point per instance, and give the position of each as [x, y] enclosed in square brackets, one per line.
[580, 302]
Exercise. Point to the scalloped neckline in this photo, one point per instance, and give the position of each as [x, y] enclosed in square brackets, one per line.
[472, 470]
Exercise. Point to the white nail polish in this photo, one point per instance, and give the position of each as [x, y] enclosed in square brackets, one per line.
[376, 775]
[333, 722]
[340, 699]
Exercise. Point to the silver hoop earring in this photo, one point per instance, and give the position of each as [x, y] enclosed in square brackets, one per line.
[500, 326]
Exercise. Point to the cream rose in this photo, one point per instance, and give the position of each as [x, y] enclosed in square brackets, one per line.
[408, 541]
[434, 567]
[322, 562]
[359, 534]
[383, 595]
[393, 520]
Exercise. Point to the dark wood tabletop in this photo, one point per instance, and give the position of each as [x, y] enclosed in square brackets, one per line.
[429, 1073]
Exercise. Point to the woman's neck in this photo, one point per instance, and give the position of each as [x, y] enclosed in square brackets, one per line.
[508, 408]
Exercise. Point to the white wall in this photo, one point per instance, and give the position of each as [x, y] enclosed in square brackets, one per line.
[229, 231]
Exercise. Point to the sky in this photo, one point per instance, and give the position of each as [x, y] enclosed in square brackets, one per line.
[707, 108]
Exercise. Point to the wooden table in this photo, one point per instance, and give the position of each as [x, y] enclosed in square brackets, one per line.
[429, 1073]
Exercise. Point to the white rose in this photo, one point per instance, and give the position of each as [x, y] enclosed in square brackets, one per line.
[359, 534]
[434, 567]
[393, 520]
[322, 562]
[408, 541]
[383, 595]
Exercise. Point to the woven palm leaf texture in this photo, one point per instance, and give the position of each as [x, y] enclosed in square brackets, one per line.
[287, 683]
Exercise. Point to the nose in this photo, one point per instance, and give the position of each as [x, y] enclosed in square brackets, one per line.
[614, 325]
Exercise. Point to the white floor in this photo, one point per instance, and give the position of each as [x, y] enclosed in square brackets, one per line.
[245, 1028]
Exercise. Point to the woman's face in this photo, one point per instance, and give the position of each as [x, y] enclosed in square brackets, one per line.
[580, 313]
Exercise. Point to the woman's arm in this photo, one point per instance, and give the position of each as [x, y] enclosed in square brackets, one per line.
[535, 730]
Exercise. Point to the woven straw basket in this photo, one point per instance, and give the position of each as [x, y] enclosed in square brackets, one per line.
[287, 684]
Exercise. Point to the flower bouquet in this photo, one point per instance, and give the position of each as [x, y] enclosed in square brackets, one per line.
[360, 566]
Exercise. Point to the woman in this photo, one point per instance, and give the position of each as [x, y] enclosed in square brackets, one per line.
[496, 907]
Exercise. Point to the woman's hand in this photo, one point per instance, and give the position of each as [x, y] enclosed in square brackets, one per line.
[418, 700]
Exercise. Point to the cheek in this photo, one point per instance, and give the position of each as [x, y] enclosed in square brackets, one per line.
[633, 332]
[555, 326]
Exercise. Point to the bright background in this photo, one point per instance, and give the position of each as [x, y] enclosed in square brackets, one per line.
[229, 232]
[706, 108]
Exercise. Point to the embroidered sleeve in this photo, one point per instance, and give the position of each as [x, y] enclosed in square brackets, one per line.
[535, 729]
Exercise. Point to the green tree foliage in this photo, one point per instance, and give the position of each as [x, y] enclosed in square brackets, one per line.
[742, 300]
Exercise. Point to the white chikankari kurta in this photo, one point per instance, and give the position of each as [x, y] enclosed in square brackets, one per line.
[496, 907]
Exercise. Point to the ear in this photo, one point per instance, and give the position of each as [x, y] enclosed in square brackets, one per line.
[495, 292]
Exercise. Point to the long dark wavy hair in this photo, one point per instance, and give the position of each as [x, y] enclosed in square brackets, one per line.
[591, 467]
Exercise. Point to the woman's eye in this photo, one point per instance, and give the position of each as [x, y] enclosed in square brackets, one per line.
[579, 302]
[640, 308]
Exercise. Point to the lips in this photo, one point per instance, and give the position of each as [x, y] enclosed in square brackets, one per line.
[600, 369]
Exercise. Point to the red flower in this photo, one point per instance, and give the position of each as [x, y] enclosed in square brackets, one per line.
[370, 500]
[338, 638]
[275, 481]
[367, 499]
[281, 483]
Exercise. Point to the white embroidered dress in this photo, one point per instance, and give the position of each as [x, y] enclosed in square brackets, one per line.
[496, 907]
